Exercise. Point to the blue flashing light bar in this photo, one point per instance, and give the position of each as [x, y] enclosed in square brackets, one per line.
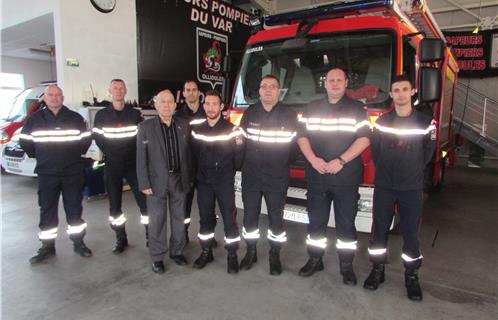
[326, 10]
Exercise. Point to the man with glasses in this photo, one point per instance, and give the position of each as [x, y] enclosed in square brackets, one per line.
[270, 129]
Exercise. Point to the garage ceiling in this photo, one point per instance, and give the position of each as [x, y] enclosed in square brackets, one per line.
[34, 39]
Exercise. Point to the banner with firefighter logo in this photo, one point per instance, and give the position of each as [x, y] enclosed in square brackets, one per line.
[212, 48]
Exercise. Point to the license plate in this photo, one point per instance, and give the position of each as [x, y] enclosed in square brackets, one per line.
[12, 165]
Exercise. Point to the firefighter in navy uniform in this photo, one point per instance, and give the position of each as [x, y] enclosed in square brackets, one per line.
[192, 109]
[270, 130]
[115, 130]
[403, 143]
[218, 147]
[57, 137]
[335, 132]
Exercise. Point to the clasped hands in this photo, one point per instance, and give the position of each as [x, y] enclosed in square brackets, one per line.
[332, 167]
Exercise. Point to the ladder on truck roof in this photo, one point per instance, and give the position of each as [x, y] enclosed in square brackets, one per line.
[414, 13]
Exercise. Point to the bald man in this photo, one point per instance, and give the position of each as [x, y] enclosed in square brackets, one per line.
[335, 133]
[57, 137]
[164, 173]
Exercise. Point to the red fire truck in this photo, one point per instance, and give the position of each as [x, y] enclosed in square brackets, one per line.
[372, 41]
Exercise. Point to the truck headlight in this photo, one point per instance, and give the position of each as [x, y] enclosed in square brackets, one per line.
[365, 205]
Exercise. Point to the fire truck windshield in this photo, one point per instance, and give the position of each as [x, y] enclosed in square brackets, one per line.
[366, 57]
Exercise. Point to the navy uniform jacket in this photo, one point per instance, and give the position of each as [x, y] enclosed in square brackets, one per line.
[186, 113]
[57, 142]
[401, 148]
[269, 140]
[331, 129]
[218, 150]
[115, 133]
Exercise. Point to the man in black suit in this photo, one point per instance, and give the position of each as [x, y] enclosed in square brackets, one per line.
[164, 175]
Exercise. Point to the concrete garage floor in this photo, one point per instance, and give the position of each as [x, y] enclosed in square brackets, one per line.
[459, 276]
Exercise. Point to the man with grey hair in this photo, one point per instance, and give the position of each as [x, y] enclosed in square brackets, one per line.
[164, 167]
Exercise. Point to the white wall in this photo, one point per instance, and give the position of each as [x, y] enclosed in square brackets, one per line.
[34, 71]
[104, 44]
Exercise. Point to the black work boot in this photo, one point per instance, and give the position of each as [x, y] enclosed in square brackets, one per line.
[232, 261]
[46, 251]
[80, 248]
[375, 278]
[205, 258]
[250, 258]
[348, 276]
[413, 289]
[312, 265]
[147, 236]
[275, 265]
[121, 241]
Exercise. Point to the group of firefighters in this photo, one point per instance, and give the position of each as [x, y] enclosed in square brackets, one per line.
[166, 158]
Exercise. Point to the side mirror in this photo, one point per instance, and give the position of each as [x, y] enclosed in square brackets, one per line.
[431, 50]
[429, 84]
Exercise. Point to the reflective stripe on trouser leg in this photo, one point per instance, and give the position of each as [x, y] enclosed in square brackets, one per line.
[114, 174]
[144, 219]
[316, 246]
[383, 214]
[345, 208]
[206, 204]
[275, 202]
[346, 250]
[47, 234]
[319, 202]
[276, 240]
[206, 240]
[118, 221]
[232, 242]
[410, 205]
[377, 255]
[225, 195]
[253, 235]
[411, 263]
[49, 188]
[72, 196]
[252, 209]
[76, 232]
